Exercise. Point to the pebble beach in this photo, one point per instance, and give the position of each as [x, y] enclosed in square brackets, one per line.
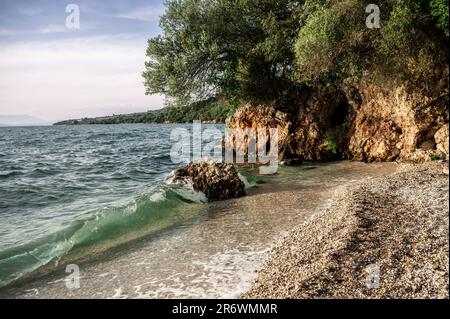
[384, 237]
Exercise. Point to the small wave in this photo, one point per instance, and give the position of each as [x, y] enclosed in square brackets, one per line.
[157, 197]
[141, 172]
[8, 174]
[104, 229]
[160, 157]
[41, 172]
[190, 195]
[184, 187]
[251, 180]
[244, 180]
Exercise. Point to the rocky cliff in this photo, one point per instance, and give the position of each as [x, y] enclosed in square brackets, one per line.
[400, 123]
[406, 121]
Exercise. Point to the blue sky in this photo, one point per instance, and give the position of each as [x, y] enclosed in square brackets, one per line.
[54, 72]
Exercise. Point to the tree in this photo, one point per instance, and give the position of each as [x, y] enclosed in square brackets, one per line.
[222, 47]
[335, 46]
[269, 50]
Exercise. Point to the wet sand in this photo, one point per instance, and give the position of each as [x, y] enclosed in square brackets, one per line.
[217, 253]
[385, 237]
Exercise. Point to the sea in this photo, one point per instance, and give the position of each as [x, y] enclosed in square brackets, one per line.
[94, 198]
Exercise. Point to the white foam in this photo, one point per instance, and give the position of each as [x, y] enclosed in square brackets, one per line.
[158, 197]
[118, 294]
[191, 194]
[225, 274]
[244, 180]
[184, 187]
[131, 208]
[268, 170]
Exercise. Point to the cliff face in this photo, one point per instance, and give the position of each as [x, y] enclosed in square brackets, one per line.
[400, 123]
[257, 117]
[370, 123]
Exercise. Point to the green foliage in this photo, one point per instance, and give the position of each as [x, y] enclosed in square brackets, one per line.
[435, 157]
[439, 9]
[412, 41]
[270, 50]
[331, 147]
[334, 46]
[235, 48]
[213, 110]
[317, 41]
[397, 30]
[331, 140]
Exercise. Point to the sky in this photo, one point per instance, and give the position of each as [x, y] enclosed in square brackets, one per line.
[53, 70]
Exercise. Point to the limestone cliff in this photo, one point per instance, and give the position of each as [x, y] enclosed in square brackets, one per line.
[400, 123]
[407, 121]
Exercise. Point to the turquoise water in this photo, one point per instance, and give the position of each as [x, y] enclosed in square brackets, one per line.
[77, 190]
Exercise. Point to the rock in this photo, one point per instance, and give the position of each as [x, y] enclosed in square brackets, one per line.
[215, 179]
[370, 121]
[257, 117]
[428, 145]
[394, 124]
[421, 156]
[441, 139]
[302, 130]
[318, 122]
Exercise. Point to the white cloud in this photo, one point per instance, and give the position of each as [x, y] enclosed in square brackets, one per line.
[7, 32]
[74, 78]
[149, 13]
[54, 28]
[51, 28]
[30, 11]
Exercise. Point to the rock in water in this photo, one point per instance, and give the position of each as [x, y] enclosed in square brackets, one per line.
[215, 179]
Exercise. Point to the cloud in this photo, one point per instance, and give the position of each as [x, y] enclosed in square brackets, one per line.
[48, 29]
[30, 11]
[74, 77]
[7, 32]
[53, 28]
[149, 13]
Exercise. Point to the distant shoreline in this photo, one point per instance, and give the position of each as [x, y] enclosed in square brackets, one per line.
[150, 123]
[212, 110]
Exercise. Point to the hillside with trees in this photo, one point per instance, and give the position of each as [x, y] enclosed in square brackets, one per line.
[210, 110]
[337, 83]
[272, 51]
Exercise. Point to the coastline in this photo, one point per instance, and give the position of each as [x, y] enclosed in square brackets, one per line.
[217, 253]
[397, 223]
[216, 150]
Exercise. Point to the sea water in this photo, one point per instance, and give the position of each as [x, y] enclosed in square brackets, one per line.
[94, 196]
[67, 189]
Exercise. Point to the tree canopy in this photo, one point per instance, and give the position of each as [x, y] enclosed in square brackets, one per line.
[265, 50]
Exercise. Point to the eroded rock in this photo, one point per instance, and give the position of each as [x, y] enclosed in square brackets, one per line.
[259, 117]
[310, 131]
[215, 179]
[393, 122]
[441, 140]
[398, 124]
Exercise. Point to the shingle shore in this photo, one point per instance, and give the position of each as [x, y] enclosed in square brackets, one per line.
[386, 237]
